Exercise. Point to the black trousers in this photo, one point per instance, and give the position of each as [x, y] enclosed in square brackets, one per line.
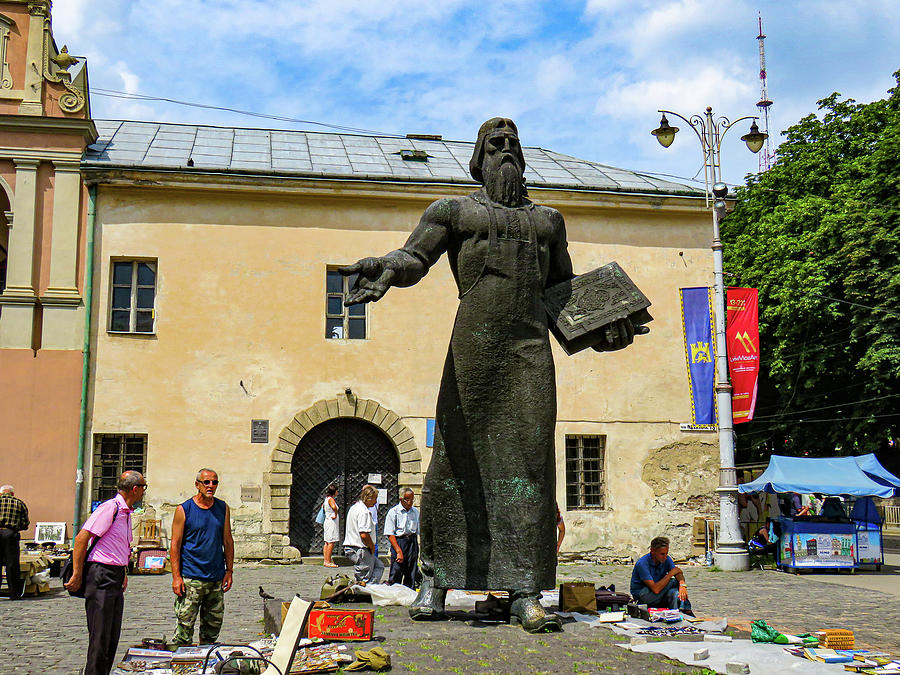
[405, 572]
[104, 601]
[9, 559]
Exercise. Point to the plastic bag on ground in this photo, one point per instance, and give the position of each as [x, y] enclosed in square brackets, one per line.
[383, 595]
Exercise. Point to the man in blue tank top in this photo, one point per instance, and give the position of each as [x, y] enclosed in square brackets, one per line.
[202, 557]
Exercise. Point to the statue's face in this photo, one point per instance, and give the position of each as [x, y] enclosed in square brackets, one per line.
[501, 148]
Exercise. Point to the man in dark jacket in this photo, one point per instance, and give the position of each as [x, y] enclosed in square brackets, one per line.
[13, 519]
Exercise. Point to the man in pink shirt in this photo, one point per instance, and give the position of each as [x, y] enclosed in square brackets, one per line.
[103, 570]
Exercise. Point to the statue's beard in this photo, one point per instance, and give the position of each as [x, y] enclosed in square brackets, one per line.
[504, 185]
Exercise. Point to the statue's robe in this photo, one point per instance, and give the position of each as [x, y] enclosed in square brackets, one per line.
[488, 516]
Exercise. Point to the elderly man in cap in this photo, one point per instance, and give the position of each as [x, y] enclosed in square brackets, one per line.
[488, 508]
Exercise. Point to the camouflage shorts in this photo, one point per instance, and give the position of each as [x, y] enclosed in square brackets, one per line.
[205, 598]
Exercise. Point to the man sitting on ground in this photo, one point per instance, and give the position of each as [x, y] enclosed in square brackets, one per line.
[657, 582]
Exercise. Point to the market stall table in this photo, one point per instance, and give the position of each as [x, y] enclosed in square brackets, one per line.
[815, 542]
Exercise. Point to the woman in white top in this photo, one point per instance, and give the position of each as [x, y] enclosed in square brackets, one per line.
[332, 525]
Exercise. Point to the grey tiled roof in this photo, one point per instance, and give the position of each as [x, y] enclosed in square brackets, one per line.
[154, 145]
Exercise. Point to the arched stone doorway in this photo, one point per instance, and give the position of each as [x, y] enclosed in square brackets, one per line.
[346, 452]
[279, 478]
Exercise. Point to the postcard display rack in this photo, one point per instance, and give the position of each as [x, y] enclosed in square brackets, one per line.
[812, 545]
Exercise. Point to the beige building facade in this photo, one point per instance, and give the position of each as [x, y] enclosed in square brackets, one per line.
[220, 340]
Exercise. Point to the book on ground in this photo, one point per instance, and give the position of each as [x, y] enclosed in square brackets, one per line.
[826, 655]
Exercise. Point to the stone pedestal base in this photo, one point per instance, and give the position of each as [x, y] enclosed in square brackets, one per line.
[732, 560]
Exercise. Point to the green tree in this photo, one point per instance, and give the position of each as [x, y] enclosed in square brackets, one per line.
[819, 236]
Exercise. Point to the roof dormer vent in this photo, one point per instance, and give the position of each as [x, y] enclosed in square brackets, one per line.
[414, 155]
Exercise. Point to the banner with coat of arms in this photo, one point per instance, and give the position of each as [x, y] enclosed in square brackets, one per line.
[700, 353]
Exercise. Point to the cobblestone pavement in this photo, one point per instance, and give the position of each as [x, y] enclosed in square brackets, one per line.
[48, 634]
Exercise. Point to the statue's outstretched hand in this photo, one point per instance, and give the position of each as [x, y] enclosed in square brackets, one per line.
[372, 280]
[618, 335]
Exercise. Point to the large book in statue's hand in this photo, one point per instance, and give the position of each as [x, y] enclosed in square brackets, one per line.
[582, 307]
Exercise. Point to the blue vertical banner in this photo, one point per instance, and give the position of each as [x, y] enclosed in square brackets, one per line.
[700, 353]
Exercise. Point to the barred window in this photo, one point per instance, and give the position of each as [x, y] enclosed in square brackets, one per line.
[132, 297]
[342, 322]
[114, 454]
[584, 471]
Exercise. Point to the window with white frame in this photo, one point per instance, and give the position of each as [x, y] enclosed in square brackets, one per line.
[114, 454]
[584, 471]
[132, 296]
[342, 322]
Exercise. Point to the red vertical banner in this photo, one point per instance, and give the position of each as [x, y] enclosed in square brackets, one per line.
[742, 347]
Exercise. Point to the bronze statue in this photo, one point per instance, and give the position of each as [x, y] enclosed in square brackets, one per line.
[488, 516]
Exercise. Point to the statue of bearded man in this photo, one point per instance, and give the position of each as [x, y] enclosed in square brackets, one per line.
[488, 510]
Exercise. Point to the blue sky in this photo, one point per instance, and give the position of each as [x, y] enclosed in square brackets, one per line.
[581, 77]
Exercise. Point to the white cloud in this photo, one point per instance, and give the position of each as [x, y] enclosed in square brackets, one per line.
[130, 81]
[689, 92]
[552, 74]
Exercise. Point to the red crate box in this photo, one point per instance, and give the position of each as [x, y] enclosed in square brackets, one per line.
[341, 624]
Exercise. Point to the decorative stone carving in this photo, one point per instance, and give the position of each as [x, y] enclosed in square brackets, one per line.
[6, 25]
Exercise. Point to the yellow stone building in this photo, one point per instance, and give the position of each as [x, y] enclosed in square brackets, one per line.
[220, 337]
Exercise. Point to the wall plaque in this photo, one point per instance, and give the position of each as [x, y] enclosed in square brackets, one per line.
[251, 493]
[259, 431]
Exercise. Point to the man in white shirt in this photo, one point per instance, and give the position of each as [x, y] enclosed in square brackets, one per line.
[401, 526]
[359, 539]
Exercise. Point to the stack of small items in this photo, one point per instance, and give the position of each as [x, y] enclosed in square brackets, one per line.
[854, 660]
[872, 663]
[835, 638]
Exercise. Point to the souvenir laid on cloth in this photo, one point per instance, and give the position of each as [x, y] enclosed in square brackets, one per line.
[577, 596]
[69, 568]
[320, 516]
[324, 658]
[665, 615]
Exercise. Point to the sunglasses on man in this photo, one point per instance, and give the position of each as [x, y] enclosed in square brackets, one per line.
[208, 482]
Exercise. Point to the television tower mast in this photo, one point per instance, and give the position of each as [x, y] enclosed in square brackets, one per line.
[766, 156]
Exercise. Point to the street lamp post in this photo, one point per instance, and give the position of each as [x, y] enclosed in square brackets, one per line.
[731, 552]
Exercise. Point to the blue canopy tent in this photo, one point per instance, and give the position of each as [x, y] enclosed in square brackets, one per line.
[809, 544]
[828, 475]
[873, 469]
